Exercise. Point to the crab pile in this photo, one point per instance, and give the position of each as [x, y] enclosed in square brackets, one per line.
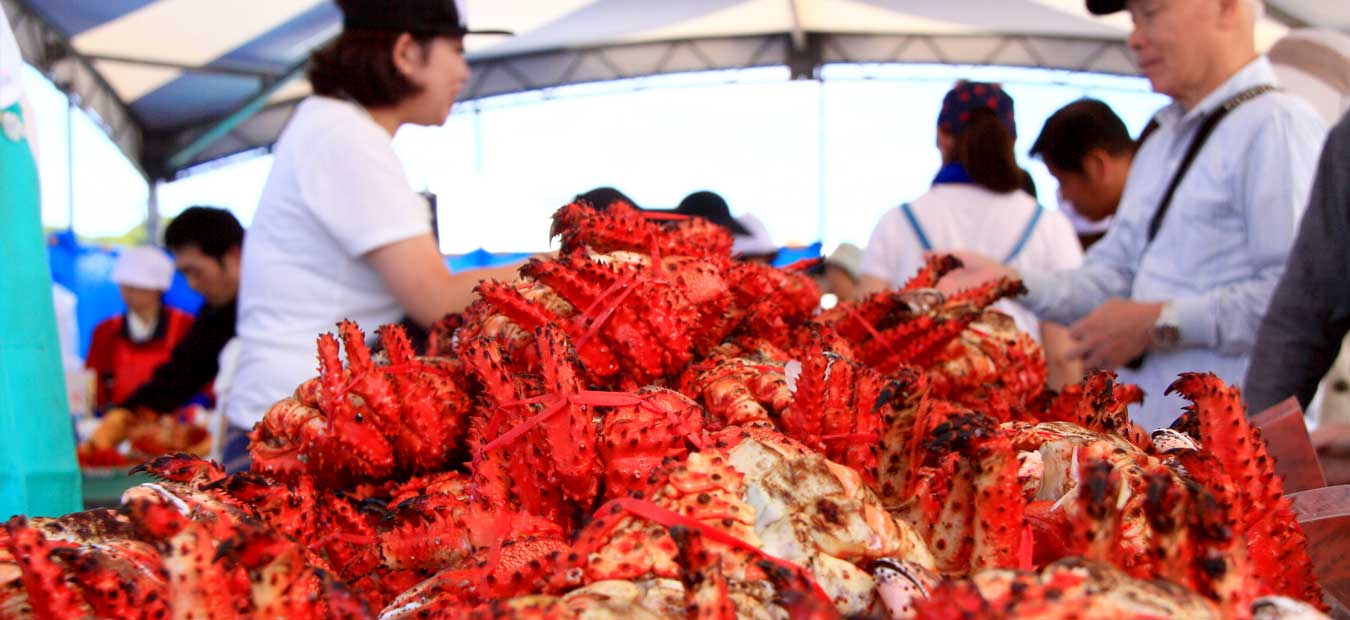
[642, 427]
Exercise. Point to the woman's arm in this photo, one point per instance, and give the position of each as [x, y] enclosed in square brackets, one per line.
[417, 275]
[1061, 369]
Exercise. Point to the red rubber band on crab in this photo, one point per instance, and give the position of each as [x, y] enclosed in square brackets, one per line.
[593, 398]
[853, 312]
[864, 437]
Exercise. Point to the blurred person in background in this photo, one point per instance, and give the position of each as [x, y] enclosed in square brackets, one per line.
[339, 234]
[1088, 150]
[1183, 277]
[840, 273]
[758, 245]
[601, 197]
[1309, 314]
[977, 203]
[206, 243]
[125, 350]
[750, 238]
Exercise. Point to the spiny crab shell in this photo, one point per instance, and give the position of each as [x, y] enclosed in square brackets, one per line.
[775, 495]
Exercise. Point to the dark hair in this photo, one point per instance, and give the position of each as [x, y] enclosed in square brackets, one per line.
[985, 150]
[601, 197]
[1080, 127]
[359, 65]
[214, 231]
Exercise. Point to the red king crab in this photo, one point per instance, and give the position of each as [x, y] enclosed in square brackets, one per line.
[366, 421]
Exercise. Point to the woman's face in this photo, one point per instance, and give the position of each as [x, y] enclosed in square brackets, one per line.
[142, 301]
[441, 72]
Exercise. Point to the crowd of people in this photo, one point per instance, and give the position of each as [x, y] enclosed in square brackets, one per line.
[1208, 242]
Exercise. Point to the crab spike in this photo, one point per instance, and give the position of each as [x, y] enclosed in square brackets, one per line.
[281, 584]
[354, 342]
[48, 594]
[986, 294]
[513, 305]
[196, 581]
[564, 277]
[933, 269]
[118, 579]
[1171, 547]
[1275, 543]
[917, 342]
[571, 436]
[1100, 404]
[1098, 530]
[705, 583]
[184, 468]
[1221, 569]
[980, 524]
[396, 344]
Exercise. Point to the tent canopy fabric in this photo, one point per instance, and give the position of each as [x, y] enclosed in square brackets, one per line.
[181, 82]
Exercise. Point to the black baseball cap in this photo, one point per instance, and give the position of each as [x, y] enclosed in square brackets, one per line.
[713, 208]
[1105, 7]
[416, 16]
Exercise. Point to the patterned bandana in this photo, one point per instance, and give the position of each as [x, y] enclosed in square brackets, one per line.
[966, 97]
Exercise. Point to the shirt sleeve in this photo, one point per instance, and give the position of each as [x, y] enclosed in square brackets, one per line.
[893, 250]
[1063, 251]
[1309, 313]
[1271, 190]
[1106, 271]
[192, 364]
[357, 188]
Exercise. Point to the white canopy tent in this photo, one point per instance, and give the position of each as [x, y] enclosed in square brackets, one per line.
[182, 82]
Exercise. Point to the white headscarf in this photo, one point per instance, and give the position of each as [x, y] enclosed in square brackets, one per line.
[1314, 64]
[144, 267]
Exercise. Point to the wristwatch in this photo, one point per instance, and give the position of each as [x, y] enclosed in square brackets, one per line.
[1166, 331]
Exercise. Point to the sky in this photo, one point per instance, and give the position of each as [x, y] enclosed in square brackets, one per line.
[814, 160]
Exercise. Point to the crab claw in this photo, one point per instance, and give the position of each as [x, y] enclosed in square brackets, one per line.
[183, 468]
[900, 583]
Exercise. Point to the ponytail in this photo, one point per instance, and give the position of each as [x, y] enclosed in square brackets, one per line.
[985, 150]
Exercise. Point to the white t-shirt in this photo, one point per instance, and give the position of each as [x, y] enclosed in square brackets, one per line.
[962, 216]
[11, 62]
[336, 191]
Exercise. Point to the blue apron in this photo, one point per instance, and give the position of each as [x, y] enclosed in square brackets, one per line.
[1017, 249]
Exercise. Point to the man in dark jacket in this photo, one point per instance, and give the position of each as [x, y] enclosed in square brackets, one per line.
[206, 244]
[1309, 313]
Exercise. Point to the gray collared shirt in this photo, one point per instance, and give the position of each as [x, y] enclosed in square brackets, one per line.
[1222, 245]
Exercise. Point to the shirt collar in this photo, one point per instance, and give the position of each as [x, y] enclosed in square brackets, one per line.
[951, 173]
[1255, 73]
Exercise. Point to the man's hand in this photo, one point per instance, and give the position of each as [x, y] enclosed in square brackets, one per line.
[1115, 333]
[113, 429]
[977, 269]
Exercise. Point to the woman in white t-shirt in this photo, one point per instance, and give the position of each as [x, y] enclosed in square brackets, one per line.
[339, 233]
[977, 203]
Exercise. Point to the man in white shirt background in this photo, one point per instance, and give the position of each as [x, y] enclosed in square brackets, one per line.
[1185, 291]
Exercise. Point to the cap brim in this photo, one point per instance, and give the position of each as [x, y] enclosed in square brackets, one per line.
[1105, 7]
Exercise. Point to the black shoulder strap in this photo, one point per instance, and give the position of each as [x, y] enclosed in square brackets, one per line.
[1151, 127]
[1197, 143]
